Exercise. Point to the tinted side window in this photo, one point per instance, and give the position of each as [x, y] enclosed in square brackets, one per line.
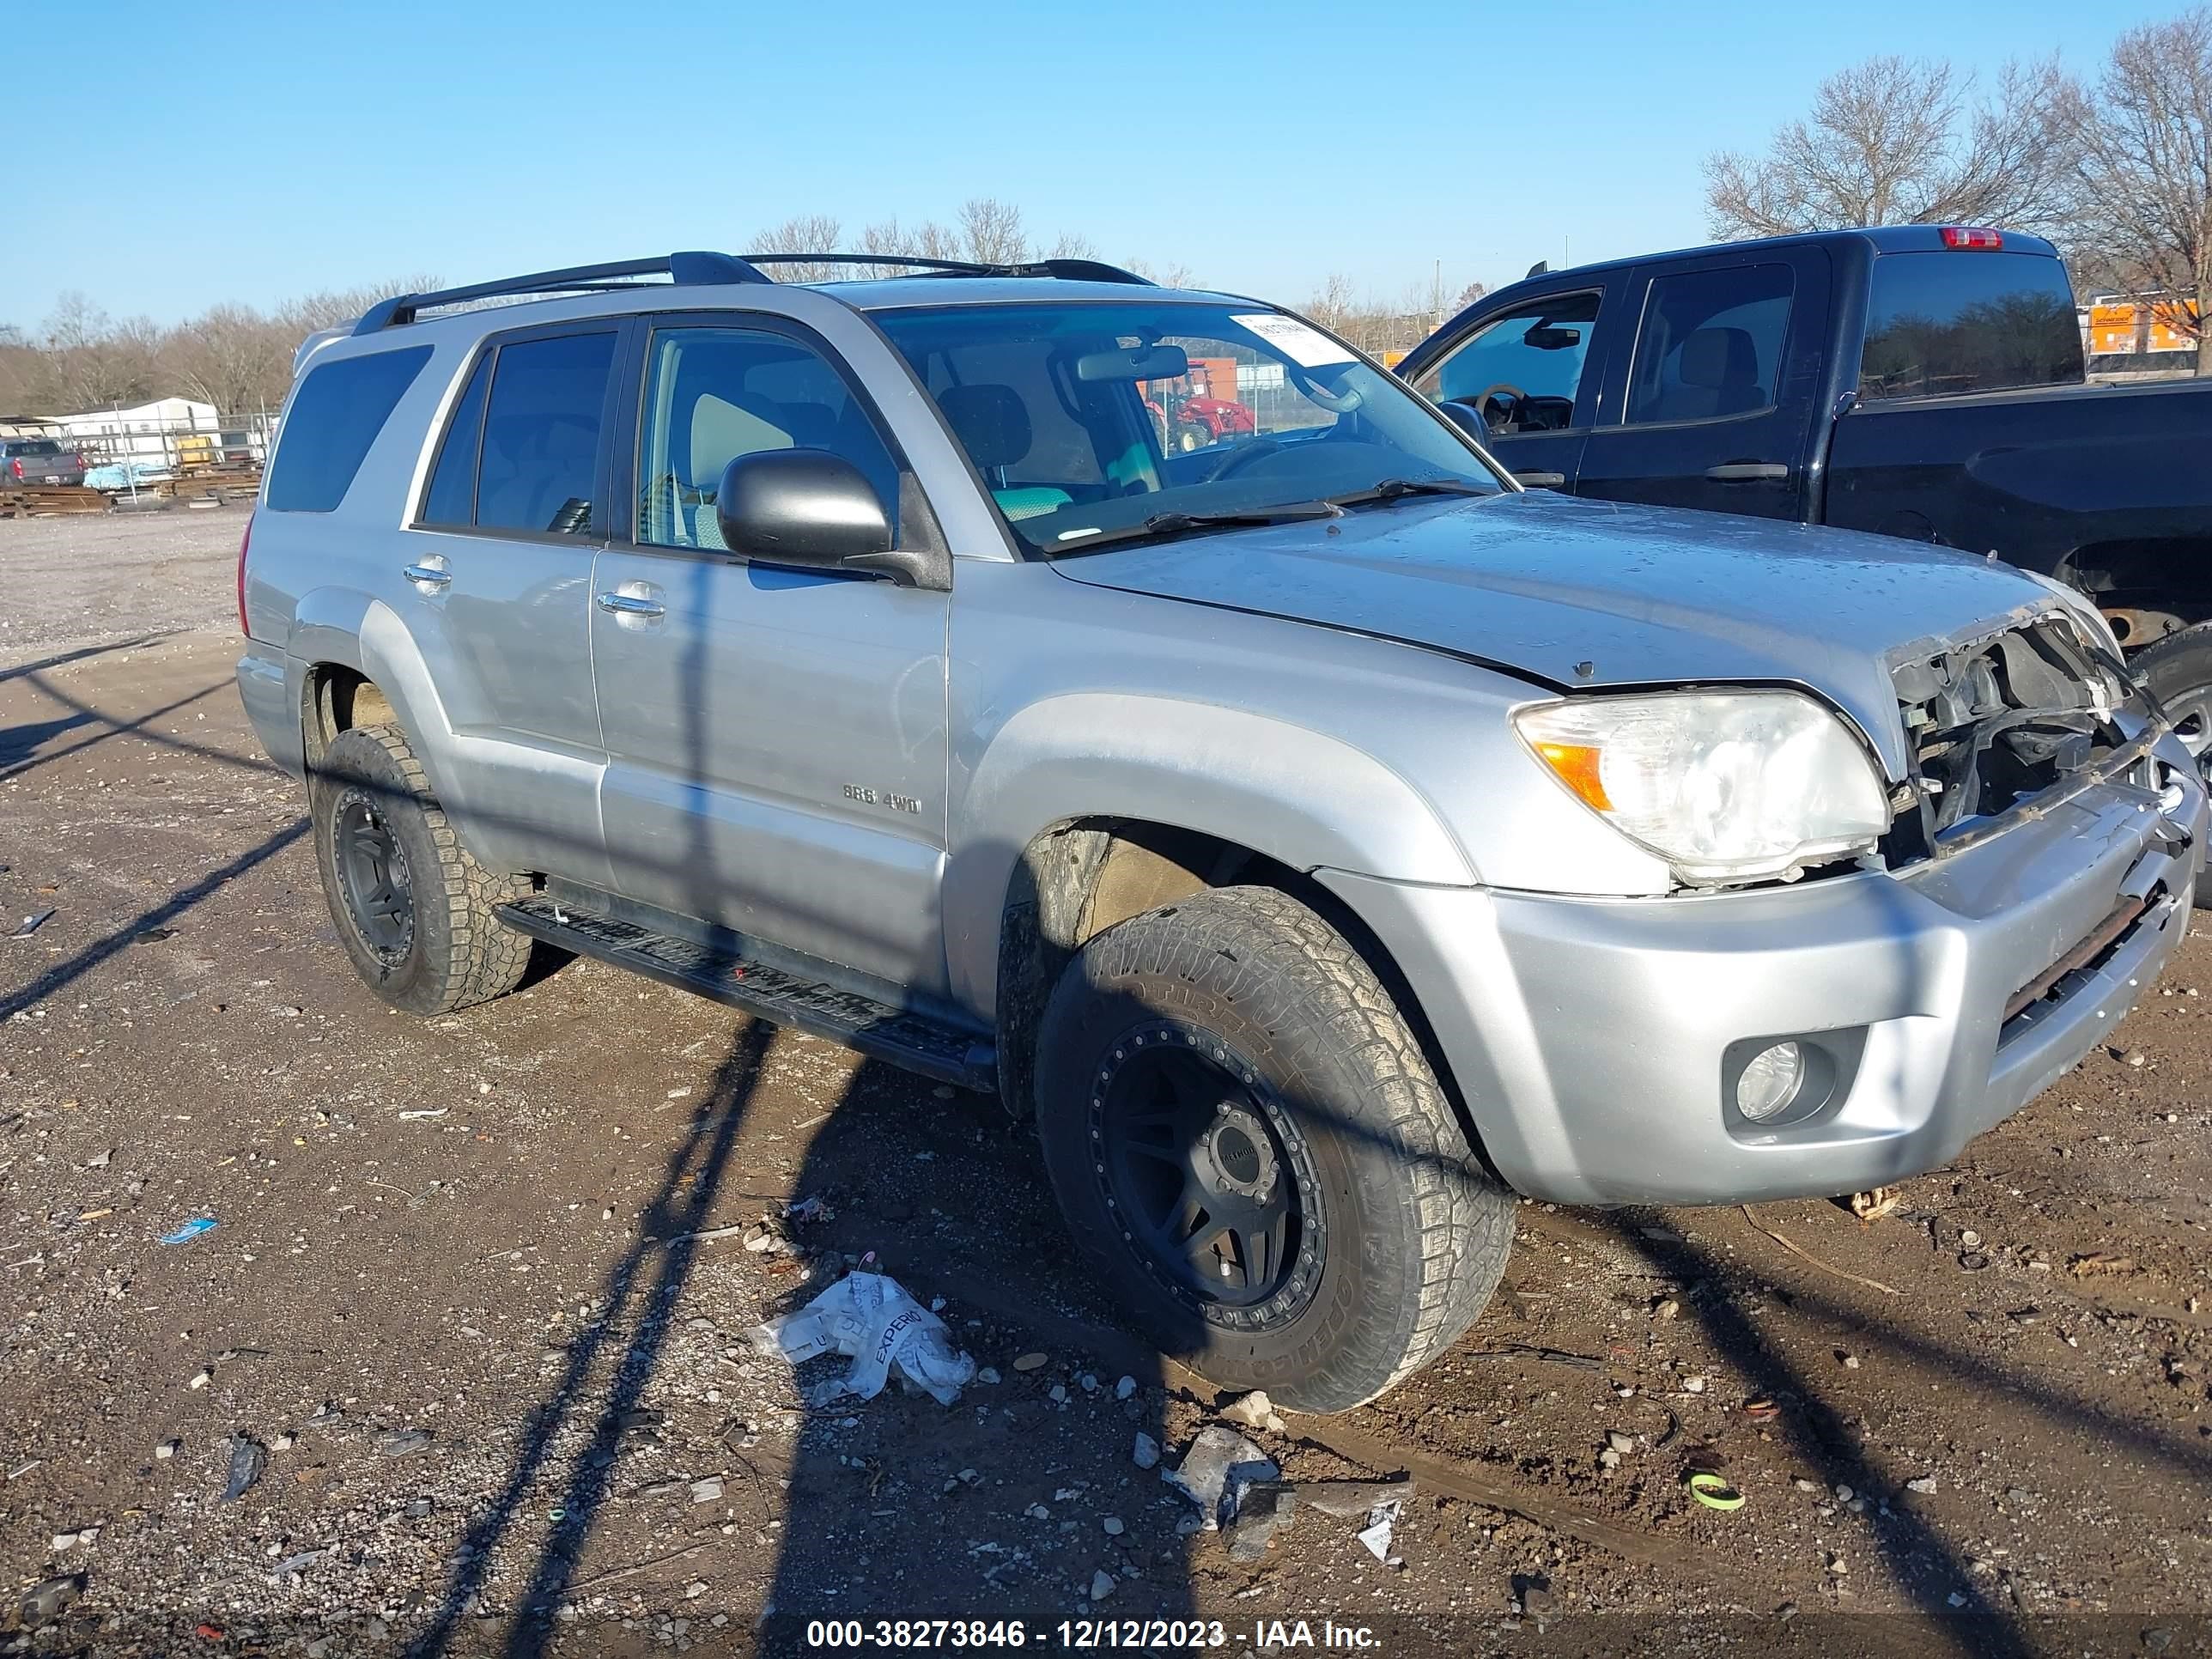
[335, 416]
[1967, 321]
[716, 393]
[1537, 349]
[1711, 344]
[452, 496]
[32, 446]
[541, 436]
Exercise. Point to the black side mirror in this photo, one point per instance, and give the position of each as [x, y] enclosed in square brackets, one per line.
[811, 508]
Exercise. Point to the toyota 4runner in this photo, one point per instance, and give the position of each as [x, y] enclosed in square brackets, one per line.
[1325, 838]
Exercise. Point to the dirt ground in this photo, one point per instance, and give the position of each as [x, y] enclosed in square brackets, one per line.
[494, 1392]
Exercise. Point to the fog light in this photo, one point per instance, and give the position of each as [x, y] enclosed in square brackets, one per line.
[1768, 1085]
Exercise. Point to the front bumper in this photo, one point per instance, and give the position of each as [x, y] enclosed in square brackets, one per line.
[1591, 1037]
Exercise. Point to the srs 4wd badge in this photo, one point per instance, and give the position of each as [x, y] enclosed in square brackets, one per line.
[868, 797]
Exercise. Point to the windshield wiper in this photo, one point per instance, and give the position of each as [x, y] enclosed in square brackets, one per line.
[1391, 490]
[1177, 524]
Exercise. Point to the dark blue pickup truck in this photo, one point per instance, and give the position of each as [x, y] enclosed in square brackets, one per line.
[1921, 380]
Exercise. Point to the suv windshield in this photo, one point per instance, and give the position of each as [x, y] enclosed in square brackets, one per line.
[1099, 422]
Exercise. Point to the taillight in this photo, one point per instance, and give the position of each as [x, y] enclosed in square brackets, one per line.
[82, 465]
[1973, 236]
[244, 543]
[17, 467]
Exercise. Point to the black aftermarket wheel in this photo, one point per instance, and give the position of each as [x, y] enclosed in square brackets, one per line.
[413, 910]
[1251, 1147]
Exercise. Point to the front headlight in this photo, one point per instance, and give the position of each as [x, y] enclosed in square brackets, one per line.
[1725, 785]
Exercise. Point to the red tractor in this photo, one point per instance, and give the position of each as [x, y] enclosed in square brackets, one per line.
[1191, 420]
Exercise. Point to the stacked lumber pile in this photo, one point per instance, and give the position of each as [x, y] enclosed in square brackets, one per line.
[45, 500]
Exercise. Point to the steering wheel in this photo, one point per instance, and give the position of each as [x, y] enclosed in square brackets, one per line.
[1482, 403]
[1235, 460]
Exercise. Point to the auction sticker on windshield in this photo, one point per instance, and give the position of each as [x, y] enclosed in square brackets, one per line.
[1303, 344]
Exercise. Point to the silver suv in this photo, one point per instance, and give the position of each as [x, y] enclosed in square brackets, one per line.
[1323, 838]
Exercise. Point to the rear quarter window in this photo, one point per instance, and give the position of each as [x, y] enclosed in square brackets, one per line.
[1959, 321]
[335, 416]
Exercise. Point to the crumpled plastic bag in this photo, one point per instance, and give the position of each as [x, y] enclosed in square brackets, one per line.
[870, 1317]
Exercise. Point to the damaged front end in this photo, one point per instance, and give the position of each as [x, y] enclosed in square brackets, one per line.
[2007, 726]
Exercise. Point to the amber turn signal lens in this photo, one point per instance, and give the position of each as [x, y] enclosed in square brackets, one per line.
[1576, 763]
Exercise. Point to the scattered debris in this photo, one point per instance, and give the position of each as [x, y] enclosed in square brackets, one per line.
[1254, 1411]
[1124, 1388]
[190, 1230]
[248, 1457]
[1216, 1468]
[1807, 1255]
[1761, 1410]
[45, 1601]
[1146, 1452]
[32, 923]
[1343, 1500]
[1693, 1384]
[1924, 1484]
[1111, 1525]
[1102, 1585]
[1264, 1511]
[169, 1448]
[871, 1318]
[1874, 1203]
[1713, 1491]
[401, 1443]
[1376, 1534]
[1028, 1362]
[419, 1115]
[2099, 1261]
[708, 1491]
[1623, 1443]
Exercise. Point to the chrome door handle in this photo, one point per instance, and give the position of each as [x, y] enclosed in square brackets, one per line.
[429, 574]
[626, 605]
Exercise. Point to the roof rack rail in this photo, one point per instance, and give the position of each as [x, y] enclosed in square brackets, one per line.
[1073, 271]
[699, 267]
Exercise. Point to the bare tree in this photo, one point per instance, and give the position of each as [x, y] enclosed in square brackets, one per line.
[1334, 303]
[2143, 138]
[231, 356]
[1903, 140]
[991, 231]
[1177, 275]
[807, 232]
[1469, 294]
[1069, 245]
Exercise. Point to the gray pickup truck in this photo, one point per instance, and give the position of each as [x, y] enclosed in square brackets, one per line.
[1323, 838]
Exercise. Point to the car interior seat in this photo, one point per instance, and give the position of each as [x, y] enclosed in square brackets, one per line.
[993, 427]
[1719, 371]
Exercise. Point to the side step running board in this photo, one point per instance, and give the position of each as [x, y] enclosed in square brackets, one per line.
[871, 1028]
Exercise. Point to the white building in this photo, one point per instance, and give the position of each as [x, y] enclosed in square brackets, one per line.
[148, 433]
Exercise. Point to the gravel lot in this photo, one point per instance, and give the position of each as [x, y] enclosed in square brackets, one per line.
[493, 1390]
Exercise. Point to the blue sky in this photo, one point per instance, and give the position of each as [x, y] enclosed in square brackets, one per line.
[1264, 146]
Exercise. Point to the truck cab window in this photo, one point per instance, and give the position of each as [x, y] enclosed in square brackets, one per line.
[1522, 370]
[1710, 346]
[1953, 322]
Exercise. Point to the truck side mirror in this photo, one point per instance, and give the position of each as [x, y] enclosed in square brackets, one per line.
[811, 509]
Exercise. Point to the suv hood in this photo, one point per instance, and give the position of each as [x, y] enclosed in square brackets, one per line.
[1578, 594]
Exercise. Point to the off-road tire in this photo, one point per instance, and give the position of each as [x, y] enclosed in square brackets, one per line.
[2178, 669]
[1191, 437]
[1416, 1233]
[458, 953]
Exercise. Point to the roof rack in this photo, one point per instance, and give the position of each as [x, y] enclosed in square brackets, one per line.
[1069, 270]
[699, 267]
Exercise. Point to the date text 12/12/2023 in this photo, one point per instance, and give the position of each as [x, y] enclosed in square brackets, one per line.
[1084, 1635]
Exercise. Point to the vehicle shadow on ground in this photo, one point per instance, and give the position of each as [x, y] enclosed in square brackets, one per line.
[893, 1508]
[1928, 1568]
